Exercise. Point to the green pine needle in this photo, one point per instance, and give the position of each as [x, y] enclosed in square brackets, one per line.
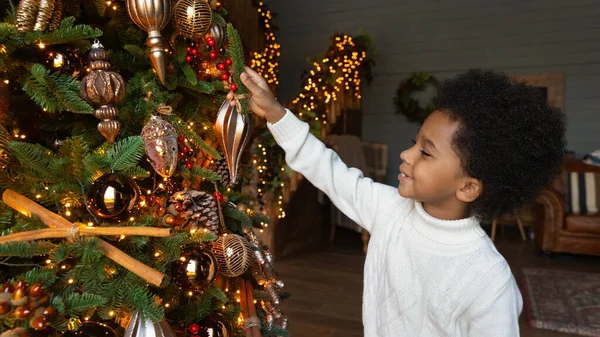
[26, 249]
[79, 303]
[236, 52]
[126, 153]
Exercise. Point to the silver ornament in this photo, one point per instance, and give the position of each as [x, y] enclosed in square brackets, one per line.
[141, 327]
[160, 143]
[233, 132]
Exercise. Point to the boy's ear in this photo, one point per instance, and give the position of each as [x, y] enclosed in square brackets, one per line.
[470, 190]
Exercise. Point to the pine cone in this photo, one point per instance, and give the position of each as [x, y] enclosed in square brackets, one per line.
[223, 171]
[199, 208]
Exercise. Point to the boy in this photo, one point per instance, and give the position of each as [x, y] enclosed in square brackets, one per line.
[431, 270]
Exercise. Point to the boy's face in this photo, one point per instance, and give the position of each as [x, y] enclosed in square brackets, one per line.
[431, 170]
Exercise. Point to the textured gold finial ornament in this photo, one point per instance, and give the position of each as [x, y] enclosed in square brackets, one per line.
[102, 88]
[192, 18]
[152, 16]
[39, 15]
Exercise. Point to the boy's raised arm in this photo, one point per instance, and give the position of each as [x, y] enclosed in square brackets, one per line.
[361, 199]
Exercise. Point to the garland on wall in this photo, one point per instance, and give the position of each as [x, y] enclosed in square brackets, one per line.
[407, 105]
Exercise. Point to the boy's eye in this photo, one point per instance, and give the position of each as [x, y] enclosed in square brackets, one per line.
[423, 152]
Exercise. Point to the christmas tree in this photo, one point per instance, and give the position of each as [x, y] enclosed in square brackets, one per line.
[122, 210]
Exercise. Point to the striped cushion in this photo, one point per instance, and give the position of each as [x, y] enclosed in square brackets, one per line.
[583, 192]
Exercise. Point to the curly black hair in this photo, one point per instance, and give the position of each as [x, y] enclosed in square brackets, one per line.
[508, 137]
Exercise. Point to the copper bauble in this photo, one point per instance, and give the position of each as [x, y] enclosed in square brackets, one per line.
[195, 269]
[192, 18]
[152, 16]
[114, 197]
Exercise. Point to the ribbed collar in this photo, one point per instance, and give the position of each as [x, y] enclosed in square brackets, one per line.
[447, 232]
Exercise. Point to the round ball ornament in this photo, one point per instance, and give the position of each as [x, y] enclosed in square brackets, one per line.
[233, 254]
[91, 329]
[192, 18]
[218, 34]
[212, 326]
[114, 197]
[195, 269]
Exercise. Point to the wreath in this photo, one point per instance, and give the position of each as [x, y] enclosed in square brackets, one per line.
[410, 107]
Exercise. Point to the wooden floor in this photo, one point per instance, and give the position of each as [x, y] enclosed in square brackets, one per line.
[326, 284]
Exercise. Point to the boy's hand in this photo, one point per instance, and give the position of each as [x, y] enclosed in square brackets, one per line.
[262, 101]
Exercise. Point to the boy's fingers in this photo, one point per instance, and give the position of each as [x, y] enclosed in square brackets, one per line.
[251, 84]
[256, 77]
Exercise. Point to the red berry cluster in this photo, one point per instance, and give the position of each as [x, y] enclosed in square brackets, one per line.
[223, 66]
[191, 53]
[26, 303]
[185, 155]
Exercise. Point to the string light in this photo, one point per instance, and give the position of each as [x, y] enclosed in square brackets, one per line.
[266, 63]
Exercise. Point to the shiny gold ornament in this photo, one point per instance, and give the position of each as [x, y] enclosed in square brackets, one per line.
[39, 15]
[233, 131]
[192, 18]
[152, 16]
[233, 254]
[102, 88]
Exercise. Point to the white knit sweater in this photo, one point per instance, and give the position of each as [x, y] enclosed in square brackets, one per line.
[423, 276]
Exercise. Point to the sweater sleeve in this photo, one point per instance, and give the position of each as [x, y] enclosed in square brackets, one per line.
[361, 199]
[498, 316]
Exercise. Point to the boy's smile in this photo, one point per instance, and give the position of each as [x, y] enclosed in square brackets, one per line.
[431, 170]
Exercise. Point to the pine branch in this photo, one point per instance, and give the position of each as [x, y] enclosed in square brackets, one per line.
[200, 237]
[54, 92]
[126, 153]
[136, 172]
[33, 156]
[26, 249]
[66, 33]
[238, 215]
[200, 172]
[236, 52]
[137, 52]
[181, 128]
[189, 74]
[42, 275]
[79, 303]
[218, 19]
[141, 299]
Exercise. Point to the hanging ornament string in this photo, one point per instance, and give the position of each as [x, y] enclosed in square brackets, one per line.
[29, 207]
[237, 99]
[221, 216]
